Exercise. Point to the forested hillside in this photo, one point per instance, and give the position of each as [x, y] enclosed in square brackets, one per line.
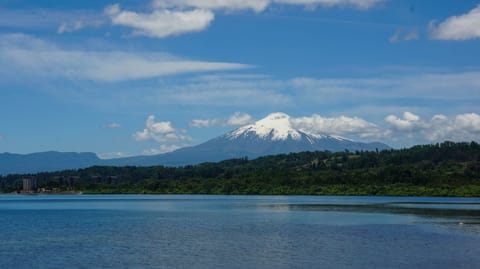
[446, 169]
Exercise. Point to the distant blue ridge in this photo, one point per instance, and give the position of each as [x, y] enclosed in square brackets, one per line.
[218, 149]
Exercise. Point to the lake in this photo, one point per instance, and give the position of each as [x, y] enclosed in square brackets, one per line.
[202, 231]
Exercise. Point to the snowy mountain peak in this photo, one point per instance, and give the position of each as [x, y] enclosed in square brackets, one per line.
[275, 126]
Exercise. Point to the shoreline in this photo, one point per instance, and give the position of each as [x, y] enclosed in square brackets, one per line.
[223, 194]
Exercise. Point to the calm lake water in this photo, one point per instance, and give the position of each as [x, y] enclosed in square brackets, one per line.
[196, 231]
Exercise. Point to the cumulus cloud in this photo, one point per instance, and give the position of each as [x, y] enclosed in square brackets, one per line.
[161, 23]
[342, 125]
[237, 119]
[409, 122]
[469, 122]
[163, 132]
[462, 127]
[407, 129]
[160, 131]
[463, 27]
[23, 53]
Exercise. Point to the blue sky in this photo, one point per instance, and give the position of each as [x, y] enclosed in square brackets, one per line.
[143, 77]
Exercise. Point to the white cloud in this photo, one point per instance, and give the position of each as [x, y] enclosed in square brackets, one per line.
[450, 93]
[161, 23]
[342, 125]
[175, 17]
[113, 155]
[25, 54]
[113, 125]
[161, 149]
[258, 5]
[112, 10]
[436, 86]
[409, 122]
[404, 35]
[159, 131]
[22, 56]
[463, 27]
[224, 93]
[469, 122]
[67, 27]
[237, 119]
[363, 4]
[462, 127]
[409, 129]
[200, 123]
[452, 88]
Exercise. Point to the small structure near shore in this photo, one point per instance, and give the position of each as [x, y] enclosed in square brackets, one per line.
[30, 185]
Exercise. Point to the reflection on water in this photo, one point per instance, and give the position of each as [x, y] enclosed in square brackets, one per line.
[432, 210]
[196, 231]
[466, 215]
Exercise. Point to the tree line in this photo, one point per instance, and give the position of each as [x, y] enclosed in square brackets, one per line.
[442, 169]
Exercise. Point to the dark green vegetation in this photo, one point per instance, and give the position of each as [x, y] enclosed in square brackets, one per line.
[446, 169]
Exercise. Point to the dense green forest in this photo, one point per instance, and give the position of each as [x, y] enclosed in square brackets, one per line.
[444, 169]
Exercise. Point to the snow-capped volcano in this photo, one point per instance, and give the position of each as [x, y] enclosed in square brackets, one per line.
[274, 134]
[275, 126]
